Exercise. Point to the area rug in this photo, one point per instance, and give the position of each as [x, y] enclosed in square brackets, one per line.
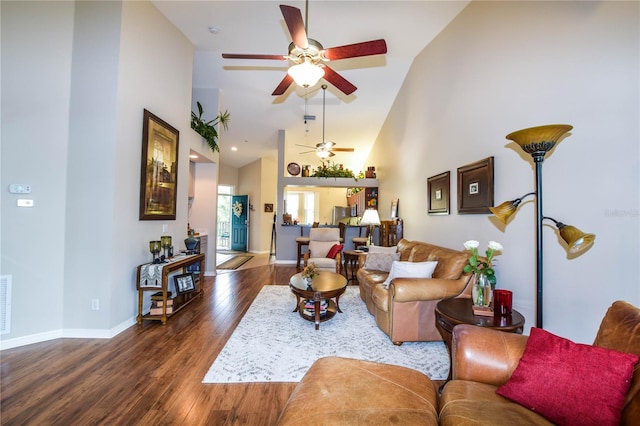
[235, 262]
[273, 344]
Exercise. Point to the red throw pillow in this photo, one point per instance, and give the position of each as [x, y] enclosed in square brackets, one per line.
[570, 383]
[334, 250]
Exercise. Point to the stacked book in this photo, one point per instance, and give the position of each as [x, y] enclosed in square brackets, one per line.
[310, 307]
[157, 303]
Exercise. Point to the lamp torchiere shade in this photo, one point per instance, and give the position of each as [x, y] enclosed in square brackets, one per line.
[577, 240]
[538, 140]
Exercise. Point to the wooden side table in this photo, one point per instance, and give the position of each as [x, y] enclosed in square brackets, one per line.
[454, 311]
[351, 260]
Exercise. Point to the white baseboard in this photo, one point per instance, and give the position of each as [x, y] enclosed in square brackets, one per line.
[73, 333]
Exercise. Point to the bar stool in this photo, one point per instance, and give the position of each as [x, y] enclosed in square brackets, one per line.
[360, 240]
[302, 241]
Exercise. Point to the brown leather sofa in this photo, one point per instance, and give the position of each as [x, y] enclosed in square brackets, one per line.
[406, 310]
[346, 391]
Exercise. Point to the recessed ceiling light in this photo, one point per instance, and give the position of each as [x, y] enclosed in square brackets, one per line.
[214, 30]
[193, 156]
[234, 148]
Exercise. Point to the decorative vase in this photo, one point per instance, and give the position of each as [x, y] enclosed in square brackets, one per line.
[307, 281]
[481, 291]
[191, 242]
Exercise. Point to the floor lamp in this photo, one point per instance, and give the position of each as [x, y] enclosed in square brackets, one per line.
[537, 141]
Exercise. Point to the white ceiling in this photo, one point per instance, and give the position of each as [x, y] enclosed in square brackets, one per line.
[246, 85]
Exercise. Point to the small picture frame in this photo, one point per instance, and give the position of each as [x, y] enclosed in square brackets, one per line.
[475, 187]
[438, 193]
[184, 283]
[394, 208]
[268, 208]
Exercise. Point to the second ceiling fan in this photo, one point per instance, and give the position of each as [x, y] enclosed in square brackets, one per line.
[309, 57]
[325, 149]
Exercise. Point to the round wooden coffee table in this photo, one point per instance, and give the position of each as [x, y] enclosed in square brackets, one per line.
[454, 311]
[325, 287]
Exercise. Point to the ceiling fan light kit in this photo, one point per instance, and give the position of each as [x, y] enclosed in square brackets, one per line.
[309, 58]
[306, 74]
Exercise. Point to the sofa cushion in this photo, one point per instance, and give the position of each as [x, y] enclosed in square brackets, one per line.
[450, 262]
[380, 261]
[465, 402]
[320, 248]
[410, 270]
[404, 248]
[570, 383]
[380, 249]
[334, 250]
[323, 263]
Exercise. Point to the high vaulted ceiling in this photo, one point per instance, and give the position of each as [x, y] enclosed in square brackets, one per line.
[246, 85]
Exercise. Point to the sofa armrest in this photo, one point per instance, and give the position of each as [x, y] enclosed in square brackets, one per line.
[484, 355]
[412, 289]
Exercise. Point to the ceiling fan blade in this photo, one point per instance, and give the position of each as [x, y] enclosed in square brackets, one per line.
[306, 146]
[293, 18]
[367, 48]
[338, 81]
[254, 56]
[283, 86]
[342, 149]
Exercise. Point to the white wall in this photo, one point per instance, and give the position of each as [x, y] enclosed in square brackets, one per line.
[92, 67]
[504, 66]
[36, 83]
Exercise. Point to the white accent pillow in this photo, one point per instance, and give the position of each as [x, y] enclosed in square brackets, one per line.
[380, 261]
[410, 270]
[380, 249]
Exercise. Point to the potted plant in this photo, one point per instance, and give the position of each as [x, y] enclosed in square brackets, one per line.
[207, 129]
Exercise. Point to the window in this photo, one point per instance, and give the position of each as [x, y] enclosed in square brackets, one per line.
[301, 205]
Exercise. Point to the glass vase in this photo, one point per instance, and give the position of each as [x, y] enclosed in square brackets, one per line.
[481, 291]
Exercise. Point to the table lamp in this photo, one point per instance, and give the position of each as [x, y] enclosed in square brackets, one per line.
[370, 217]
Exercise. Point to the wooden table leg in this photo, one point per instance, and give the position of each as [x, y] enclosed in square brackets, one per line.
[338, 304]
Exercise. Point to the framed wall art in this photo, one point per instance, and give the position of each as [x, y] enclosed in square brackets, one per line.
[268, 208]
[184, 283]
[475, 187]
[438, 190]
[159, 174]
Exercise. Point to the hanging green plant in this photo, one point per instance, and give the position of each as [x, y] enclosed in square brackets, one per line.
[207, 129]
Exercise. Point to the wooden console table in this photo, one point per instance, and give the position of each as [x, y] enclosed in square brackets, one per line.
[160, 283]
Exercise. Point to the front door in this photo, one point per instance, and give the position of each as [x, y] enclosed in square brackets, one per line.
[239, 222]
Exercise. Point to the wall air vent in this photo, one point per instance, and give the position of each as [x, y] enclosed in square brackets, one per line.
[5, 304]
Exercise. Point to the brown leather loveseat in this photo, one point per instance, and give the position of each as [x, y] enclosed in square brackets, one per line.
[346, 391]
[405, 310]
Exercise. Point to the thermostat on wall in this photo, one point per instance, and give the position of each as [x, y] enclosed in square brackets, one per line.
[19, 188]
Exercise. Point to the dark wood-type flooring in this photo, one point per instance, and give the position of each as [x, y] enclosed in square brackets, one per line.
[148, 374]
